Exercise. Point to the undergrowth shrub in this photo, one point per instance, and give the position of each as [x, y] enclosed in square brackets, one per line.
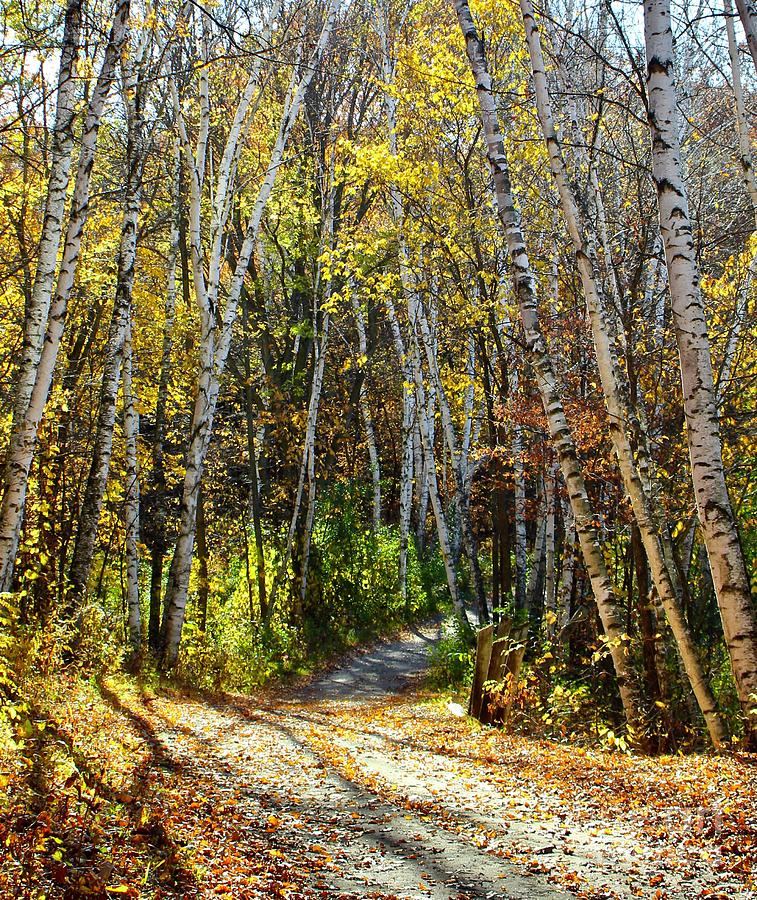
[452, 659]
[352, 596]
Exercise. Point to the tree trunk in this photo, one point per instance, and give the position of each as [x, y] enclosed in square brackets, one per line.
[417, 317]
[567, 573]
[252, 466]
[525, 289]
[38, 362]
[748, 15]
[131, 503]
[716, 515]
[550, 573]
[91, 507]
[534, 576]
[164, 380]
[309, 455]
[216, 336]
[203, 580]
[520, 519]
[646, 619]
[365, 412]
[38, 307]
[406, 475]
[626, 431]
[750, 182]
[419, 397]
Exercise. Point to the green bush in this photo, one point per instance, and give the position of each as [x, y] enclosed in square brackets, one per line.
[452, 659]
[352, 596]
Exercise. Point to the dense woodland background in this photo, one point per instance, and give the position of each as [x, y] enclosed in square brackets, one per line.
[275, 351]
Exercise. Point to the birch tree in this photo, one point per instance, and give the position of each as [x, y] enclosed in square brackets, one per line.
[160, 511]
[91, 506]
[746, 162]
[37, 310]
[421, 347]
[526, 294]
[24, 434]
[131, 503]
[626, 431]
[307, 464]
[748, 15]
[716, 515]
[217, 328]
[365, 412]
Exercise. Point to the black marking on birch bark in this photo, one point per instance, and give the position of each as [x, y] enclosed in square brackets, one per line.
[658, 66]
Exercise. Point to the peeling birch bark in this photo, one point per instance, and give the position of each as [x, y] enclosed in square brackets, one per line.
[718, 523]
[626, 431]
[22, 443]
[526, 294]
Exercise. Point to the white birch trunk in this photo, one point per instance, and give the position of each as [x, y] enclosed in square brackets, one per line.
[18, 460]
[415, 377]
[716, 515]
[748, 15]
[747, 170]
[471, 425]
[567, 573]
[406, 475]
[409, 395]
[519, 508]
[742, 127]
[216, 342]
[365, 412]
[436, 500]
[525, 288]
[421, 478]
[164, 381]
[309, 457]
[94, 491]
[131, 502]
[36, 313]
[626, 430]
[307, 466]
[414, 406]
[417, 317]
[654, 293]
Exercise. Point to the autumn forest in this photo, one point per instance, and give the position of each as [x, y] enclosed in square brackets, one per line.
[378, 449]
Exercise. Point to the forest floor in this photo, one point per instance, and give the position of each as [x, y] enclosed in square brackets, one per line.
[359, 785]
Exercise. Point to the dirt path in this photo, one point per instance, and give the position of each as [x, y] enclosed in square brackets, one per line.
[350, 783]
[356, 843]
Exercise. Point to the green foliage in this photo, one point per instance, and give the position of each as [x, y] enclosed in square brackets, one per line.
[29, 656]
[11, 707]
[353, 589]
[723, 686]
[236, 650]
[352, 596]
[567, 704]
[452, 659]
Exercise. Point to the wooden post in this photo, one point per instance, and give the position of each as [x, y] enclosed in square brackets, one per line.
[500, 649]
[518, 638]
[485, 640]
